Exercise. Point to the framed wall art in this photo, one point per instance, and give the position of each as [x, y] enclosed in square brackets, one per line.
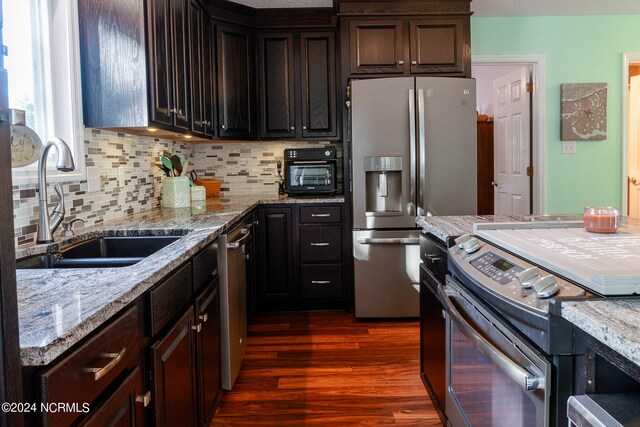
[583, 111]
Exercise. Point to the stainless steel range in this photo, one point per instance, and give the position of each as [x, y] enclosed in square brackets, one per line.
[510, 356]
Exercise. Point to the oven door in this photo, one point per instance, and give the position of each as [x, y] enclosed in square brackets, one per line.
[494, 378]
[310, 177]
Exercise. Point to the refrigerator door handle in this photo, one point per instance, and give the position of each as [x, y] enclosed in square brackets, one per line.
[422, 180]
[412, 152]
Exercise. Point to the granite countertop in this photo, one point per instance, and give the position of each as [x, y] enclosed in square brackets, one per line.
[443, 227]
[613, 322]
[59, 307]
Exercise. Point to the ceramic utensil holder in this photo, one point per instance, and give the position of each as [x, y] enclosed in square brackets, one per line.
[175, 192]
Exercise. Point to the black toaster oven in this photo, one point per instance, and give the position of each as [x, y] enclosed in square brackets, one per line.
[310, 171]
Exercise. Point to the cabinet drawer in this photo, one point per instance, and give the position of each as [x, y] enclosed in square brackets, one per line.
[319, 214]
[87, 372]
[167, 300]
[205, 266]
[321, 243]
[434, 257]
[321, 281]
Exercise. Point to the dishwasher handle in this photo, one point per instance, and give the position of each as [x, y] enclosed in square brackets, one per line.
[389, 241]
[241, 241]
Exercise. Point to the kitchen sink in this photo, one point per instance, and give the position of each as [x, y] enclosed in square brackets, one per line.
[99, 253]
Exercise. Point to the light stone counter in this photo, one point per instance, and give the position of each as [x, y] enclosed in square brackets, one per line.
[59, 307]
[612, 322]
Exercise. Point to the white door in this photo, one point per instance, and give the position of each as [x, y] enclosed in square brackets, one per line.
[512, 153]
[634, 149]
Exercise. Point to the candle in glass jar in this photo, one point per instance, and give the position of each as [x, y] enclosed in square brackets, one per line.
[601, 219]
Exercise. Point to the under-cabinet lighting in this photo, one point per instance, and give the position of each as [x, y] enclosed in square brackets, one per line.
[152, 129]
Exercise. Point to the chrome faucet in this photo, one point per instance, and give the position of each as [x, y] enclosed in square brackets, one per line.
[48, 225]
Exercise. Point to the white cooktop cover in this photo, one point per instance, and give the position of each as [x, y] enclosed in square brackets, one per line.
[606, 263]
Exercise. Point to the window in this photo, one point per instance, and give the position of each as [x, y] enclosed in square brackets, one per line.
[44, 75]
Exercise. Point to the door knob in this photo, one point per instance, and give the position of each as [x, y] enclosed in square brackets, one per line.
[634, 181]
[494, 183]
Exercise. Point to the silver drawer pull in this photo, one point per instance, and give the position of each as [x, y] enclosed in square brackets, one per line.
[197, 327]
[145, 399]
[319, 244]
[204, 317]
[434, 258]
[321, 282]
[115, 359]
[325, 215]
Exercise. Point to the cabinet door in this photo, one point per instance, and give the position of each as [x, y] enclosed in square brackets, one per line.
[172, 375]
[276, 74]
[439, 46]
[209, 378]
[317, 53]
[160, 61]
[275, 257]
[124, 406]
[209, 78]
[236, 84]
[376, 46]
[196, 49]
[180, 35]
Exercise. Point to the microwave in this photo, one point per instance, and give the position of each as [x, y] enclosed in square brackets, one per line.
[310, 171]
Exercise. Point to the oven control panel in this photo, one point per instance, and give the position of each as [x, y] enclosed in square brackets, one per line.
[496, 268]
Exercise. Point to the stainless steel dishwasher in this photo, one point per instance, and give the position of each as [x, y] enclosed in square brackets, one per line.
[232, 257]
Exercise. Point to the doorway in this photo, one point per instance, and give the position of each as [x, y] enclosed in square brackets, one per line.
[500, 194]
[631, 135]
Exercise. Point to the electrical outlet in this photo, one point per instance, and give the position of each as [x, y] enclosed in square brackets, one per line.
[121, 177]
[568, 147]
[93, 179]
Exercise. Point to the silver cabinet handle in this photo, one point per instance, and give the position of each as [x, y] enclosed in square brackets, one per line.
[304, 128]
[224, 127]
[293, 128]
[323, 215]
[414, 62]
[173, 110]
[319, 244]
[180, 112]
[321, 282]
[145, 399]
[115, 359]
[197, 327]
[390, 241]
[204, 317]
[520, 376]
[400, 62]
[434, 258]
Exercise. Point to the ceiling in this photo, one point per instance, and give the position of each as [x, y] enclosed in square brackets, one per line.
[498, 7]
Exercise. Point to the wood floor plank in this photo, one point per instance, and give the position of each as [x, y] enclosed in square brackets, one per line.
[328, 369]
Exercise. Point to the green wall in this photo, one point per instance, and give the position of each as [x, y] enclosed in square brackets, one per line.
[578, 49]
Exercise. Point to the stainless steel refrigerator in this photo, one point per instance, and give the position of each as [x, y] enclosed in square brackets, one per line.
[413, 153]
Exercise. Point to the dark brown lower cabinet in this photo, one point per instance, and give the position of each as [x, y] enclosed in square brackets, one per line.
[208, 344]
[173, 359]
[125, 406]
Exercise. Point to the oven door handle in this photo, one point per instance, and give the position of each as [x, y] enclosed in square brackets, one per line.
[519, 375]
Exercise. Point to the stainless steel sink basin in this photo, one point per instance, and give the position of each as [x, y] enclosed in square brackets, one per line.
[99, 253]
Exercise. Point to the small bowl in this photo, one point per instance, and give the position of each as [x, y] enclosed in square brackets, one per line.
[601, 219]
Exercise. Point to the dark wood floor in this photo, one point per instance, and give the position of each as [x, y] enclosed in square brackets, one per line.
[326, 368]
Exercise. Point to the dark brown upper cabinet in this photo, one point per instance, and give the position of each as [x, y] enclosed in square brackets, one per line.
[277, 86]
[438, 45]
[433, 45]
[236, 82]
[297, 85]
[168, 57]
[318, 62]
[376, 46]
[196, 51]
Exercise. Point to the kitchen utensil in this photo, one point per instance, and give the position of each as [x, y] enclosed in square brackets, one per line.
[193, 176]
[167, 164]
[182, 161]
[166, 170]
[177, 165]
[25, 146]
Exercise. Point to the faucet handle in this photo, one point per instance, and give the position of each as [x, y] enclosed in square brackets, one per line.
[67, 227]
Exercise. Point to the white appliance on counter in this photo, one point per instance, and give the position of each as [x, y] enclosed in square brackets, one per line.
[413, 153]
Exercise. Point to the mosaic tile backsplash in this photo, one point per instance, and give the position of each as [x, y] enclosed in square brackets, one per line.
[245, 168]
